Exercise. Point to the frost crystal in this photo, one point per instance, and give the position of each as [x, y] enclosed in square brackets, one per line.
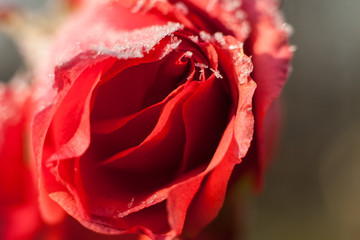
[194, 38]
[238, 46]
[131, 202]
[201, 65]
[188, 54]
[133, 44]
[245, 68]
[123, 214]
[205, 36]
[216, 73]
[219, 37]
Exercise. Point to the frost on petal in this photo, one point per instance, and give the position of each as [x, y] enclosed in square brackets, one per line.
[120, 44]
[128, 34]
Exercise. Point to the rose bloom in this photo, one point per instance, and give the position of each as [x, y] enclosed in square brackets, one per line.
[145, 108]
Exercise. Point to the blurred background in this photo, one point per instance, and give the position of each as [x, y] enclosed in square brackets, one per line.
[312, 188]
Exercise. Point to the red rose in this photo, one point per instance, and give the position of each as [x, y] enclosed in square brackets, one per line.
[18, 203]
[148, 108]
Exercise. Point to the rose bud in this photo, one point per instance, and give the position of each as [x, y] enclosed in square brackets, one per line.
[145, 108]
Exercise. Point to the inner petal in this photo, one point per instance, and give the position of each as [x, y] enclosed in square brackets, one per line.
[205, 114]
[130, 134]
[138, 87]
[150, 167]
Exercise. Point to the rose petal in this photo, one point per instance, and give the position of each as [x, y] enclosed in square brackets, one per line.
[210, 196]
[18, 200]
[214, 16]
[132, 167]
[207, 110]
[268, 44]
[234, 144]
[139, 86]
[71, 72]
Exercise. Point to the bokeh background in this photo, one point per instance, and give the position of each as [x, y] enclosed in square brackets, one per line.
[312, 188]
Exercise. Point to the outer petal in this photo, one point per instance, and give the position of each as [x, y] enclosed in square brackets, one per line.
[259, 24]
[235, 143]
[76, 142]
[128, 34]
[268, 45]
[216, 16]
